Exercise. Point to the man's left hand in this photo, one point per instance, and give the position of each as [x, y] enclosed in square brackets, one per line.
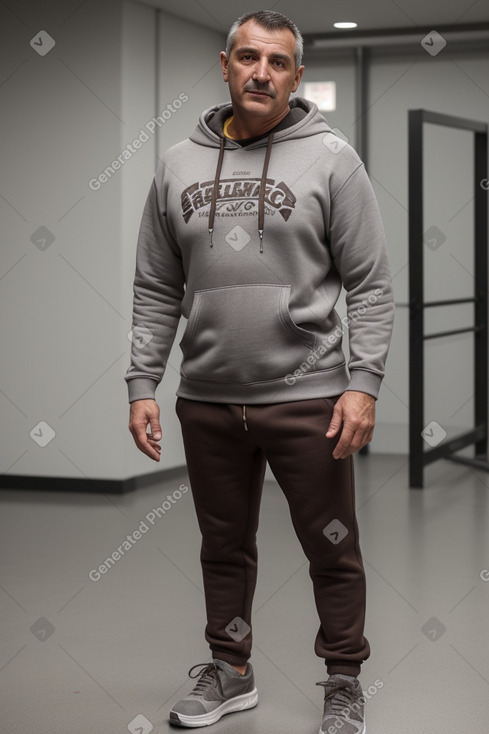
[356, 411]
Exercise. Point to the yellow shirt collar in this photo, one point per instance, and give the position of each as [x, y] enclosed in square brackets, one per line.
[226, 126]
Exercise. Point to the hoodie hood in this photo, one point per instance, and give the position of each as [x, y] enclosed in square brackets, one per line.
[309, 122]
[305, 120]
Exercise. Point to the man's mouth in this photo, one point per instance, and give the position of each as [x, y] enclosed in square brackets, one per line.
[260, 92]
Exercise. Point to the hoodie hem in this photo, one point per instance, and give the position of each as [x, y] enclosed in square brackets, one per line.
[323, 384]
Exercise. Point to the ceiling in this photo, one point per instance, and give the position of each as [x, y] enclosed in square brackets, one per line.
[318, 16]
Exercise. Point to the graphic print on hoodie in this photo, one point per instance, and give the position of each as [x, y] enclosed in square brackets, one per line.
[251, 243]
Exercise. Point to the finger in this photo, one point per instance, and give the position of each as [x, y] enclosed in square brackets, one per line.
[359, 439]
[154, 445]
[153, 453]
[155, 429]
[341, 448]
[143, 443]
[153, 441]
[370, 435]
[335, 423]
[139, 430]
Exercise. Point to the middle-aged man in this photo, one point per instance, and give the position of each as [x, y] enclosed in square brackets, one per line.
[250, 229]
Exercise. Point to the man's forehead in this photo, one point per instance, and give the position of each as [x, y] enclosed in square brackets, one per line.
[253, 34]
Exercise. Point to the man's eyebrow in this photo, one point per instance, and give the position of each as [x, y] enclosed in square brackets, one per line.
[250, 49]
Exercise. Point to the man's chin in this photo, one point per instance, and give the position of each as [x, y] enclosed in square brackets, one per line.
[258, 104]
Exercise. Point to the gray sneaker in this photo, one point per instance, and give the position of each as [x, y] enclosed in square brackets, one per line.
[343, 706]
[220, 690]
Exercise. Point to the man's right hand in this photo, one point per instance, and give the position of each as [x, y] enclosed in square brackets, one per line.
[143, 412]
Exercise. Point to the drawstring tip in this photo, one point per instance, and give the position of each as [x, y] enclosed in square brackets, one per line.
[260, 232]
[210, 235]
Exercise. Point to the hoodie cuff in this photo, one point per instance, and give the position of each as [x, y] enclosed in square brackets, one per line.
[365, 381]
[141, 388]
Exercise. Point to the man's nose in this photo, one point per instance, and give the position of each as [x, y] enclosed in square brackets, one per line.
[261, 73]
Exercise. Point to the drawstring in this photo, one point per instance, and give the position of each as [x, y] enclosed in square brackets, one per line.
[214, 190]
[261, 196]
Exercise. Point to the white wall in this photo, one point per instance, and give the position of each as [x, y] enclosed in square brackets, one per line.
[61, 311]
[189, 63]
[66, 307]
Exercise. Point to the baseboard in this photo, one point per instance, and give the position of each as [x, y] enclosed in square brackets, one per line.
[75, 484]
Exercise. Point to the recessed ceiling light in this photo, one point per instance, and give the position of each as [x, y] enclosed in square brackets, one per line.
[345, 25]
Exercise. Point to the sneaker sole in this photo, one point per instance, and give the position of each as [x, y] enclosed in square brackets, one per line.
[364, 730]
[238, 703]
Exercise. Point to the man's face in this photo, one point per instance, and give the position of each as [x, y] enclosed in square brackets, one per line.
[261, 70]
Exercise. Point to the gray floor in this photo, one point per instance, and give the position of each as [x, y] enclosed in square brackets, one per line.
[111, 655]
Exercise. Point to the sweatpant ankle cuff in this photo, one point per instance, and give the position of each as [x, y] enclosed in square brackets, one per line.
[343, 669]
[230, 659]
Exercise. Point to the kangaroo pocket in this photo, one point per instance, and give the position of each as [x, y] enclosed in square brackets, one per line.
[243, 334]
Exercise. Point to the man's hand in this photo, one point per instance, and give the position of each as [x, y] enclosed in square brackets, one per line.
[144, 412]
[356, 410]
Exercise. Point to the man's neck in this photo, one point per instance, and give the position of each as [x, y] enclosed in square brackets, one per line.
[243, 127]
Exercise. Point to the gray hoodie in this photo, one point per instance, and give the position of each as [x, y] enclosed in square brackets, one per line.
[252, 244]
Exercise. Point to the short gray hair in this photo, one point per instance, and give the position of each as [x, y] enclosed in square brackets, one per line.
[272, 21]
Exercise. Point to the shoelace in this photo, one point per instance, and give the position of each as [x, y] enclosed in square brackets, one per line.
[208, 676]
[340, 697]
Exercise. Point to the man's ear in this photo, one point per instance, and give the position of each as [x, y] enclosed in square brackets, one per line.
[224, 65]
[298, 77]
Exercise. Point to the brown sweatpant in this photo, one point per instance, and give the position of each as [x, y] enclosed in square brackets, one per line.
[226, 448]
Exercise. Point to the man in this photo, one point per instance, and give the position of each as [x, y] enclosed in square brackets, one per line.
[250, 228]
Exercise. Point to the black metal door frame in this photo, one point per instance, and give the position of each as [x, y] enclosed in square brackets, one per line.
[418, 456]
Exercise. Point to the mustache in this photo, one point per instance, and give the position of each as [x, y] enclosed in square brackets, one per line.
[257, 87]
